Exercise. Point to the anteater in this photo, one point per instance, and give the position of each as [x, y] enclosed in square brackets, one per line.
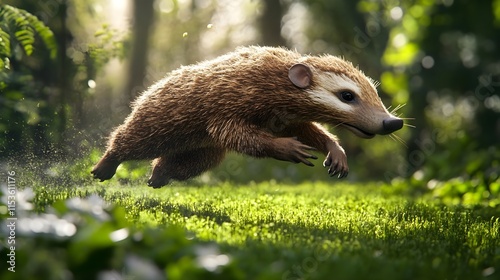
[258, 101]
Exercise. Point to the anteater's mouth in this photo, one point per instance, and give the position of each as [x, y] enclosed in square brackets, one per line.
[358, 132]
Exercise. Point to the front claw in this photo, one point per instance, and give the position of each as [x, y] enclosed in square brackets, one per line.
[336, 160]
[156, 182]
[158, 179]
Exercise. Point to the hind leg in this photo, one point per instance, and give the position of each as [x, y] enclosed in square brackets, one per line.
[105, 168]
[184, 165]
[127, 142]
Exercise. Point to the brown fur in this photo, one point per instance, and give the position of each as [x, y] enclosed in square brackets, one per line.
[243, 102]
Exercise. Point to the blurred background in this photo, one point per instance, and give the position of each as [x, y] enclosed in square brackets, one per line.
[68, 76]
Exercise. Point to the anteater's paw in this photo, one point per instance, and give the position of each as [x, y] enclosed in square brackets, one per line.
[336, 161]
[290, 149]
[105, 169]
[157, 182]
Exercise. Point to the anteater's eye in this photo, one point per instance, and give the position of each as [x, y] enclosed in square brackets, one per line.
[347, 96]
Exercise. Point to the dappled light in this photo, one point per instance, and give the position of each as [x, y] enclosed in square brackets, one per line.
[421, 199]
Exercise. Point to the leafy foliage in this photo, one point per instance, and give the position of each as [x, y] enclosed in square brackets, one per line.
[41, 98]
[19, 26]
[90, 239]
[440, 60]
[109, 44]
[24, 106]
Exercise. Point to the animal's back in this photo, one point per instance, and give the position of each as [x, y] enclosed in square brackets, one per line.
[245, 85]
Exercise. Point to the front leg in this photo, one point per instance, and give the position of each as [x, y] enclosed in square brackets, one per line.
[336, 160]
[315, 135]
[251, 140]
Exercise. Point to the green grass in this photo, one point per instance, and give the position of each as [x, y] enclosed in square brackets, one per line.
[278, 231]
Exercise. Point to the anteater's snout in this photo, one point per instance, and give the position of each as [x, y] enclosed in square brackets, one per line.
[392, 124]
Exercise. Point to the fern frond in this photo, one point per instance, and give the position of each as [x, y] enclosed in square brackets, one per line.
[26, 38]
[21, 27]
[4, 43]
[44, 32]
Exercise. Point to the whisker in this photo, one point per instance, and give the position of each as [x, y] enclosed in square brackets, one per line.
[393, 112]
[399, 116]
[393, 138]
[398, 139]
[337, 125]
[401, 140]
[399, 106]
[395, 109]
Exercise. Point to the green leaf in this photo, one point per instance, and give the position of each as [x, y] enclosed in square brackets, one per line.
[24, 28]
[4, 43]
[26, 38]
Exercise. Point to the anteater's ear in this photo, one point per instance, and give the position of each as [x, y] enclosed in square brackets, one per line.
[300, 75]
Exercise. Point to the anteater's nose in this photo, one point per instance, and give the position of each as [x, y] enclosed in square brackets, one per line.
[392, 124]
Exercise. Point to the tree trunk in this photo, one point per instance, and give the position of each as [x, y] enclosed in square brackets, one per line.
[270, 23]
[143, 13]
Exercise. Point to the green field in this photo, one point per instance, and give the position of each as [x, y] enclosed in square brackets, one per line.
[257, 231]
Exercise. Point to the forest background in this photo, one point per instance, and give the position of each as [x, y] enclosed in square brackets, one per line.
[62, 93]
